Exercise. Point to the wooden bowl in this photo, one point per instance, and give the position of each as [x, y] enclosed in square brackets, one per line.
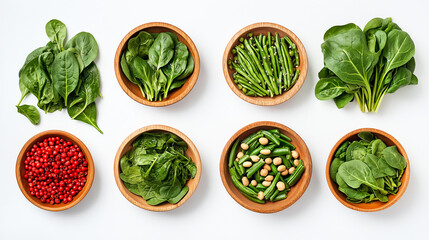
[126, 145]
[264, 28]
[132, 89]
[20, 171]
[295, 192]
[376, 205]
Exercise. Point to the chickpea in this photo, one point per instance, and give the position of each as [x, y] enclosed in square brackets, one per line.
[266, 183]
[261, 195]
[240, 155]
[281, 168]
[291, 170]
[265, 151]
[268, 160]
[244, 146]
[284, 173]
[295, 154]
[263, 141]
[245, 181]
[237, 159]
[254, 158]
[267, 167]
[296, 162]
[277, 161]
[247, 164]
[254, 182]
[264, 172]
[281, 186]
[269, 178]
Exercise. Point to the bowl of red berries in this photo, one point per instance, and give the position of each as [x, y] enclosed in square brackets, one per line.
[54, 170]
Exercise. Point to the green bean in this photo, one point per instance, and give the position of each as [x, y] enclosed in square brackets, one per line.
[273, 63]
[255, 168]
[234, 173]
[239, 170]
[296, 175]
[233, 153]
[279, 152]
[244, 189]
[273, 168]
[286, 162]
[274, 195]
[243, 159]
[284, 143]
[236, 68]
[257, 150]
[253, 188]
[274, 131]
[285, 137]
[281, 196]
[287, 60]
[258, 177]
[255, 199]
[295, 77]
[270, 190]
[282, 60]
[261, 187]
[271, 137]
[252, 138]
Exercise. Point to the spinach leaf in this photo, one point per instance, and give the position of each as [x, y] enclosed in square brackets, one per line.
[366, 136]
[333, 169]
[57, 32]
[347, 55]
[189, 68]
[139, 45]
[328, 88]
[337, 30]
[126, 70]
[176, 66]
[133, 175]
[65, 73]
[401, 78]
[399, 49]
[375, 23]
[85, 45]
[377, 147]
[350, 192]
[30, 112]
[341, 152]
[394, 158]
[373, 163]
[356, 173]
[356, 151]
[342, 100]
[161, 51]
[33, 77]
[89, 114]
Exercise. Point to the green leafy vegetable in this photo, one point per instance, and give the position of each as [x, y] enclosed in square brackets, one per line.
[157, 63]
[365, 65]
[157, 168]
[372, 170]
[62, 76]
[30, 112]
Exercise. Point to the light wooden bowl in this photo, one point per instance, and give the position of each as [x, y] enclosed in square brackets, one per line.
[295, 192]
[20, 171]
[264, 28]
[376, 205]
[126, 145]
[133, 90]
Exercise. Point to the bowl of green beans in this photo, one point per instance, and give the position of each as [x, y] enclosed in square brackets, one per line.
[265, 167]
[265, 64]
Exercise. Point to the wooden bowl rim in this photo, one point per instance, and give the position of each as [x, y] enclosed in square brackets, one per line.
[142, 203]
[290, 199]
[267, 101]
[192, 79]
[358, 206]
[80, 195]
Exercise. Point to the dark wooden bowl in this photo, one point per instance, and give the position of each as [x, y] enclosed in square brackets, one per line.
[264, 28]
[126, 145]
[376, 205]
[20, 171]
[295, 192]
[133, 90]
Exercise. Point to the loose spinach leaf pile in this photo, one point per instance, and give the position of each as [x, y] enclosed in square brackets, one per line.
[365, 65]
[158, 63]
[157, 168]
[367, 170]
[62, 75]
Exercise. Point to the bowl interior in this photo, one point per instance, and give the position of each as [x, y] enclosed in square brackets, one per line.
[264, 28]
[23, 183]
[132, 89]
[296, 191]
[191, 152]
[376, 205]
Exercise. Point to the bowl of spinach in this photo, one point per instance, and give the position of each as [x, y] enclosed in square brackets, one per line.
[157, 168]
[157, 64]
[368, 170]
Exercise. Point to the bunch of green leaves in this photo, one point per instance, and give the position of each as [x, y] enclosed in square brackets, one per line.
[157, 168]
[265, 65]
[158, 63]
[367, 170]
[365, 65]
[62, 75]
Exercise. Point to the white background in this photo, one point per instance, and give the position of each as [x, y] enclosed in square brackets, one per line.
[209, 115]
